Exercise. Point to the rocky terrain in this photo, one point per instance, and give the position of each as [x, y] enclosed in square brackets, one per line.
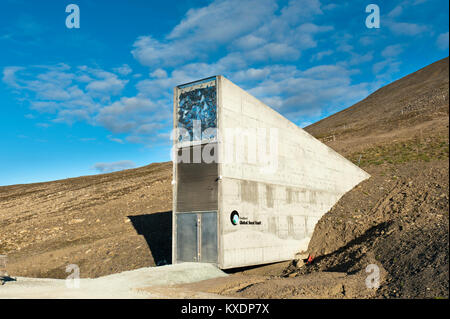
[104, 224]
[397, 220]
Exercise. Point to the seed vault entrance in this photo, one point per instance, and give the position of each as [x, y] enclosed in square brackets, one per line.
[196, 237]
[195, 206]
[248, 185]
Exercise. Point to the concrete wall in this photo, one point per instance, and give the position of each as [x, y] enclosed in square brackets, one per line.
[281, 197]
[279, 179]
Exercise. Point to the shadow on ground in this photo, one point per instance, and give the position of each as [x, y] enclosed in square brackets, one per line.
[157, 231]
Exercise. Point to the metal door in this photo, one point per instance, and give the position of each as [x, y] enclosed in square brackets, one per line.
[187, 237]
[197, 237]
[208, 248]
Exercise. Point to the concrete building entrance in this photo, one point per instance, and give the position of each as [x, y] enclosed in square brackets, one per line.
[197, 237]
[249, 186]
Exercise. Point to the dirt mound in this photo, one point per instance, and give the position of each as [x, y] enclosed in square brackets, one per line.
[105, 223]
[397, 220]
[314, 285]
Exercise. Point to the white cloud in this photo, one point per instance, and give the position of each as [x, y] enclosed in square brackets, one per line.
[159, 73]
[298, 93]
[129, 113]
[261, 46]
[251, 74]
[250, 30]
[254, 34]
[149, 128]
[408, 29]
[123, 70]
[344, 47]
[43, 125]
[357, 59]
[367, 40]
[377, 67]
[44, 106]
[114, 166]
[397, 11]
[71, 116]
[281, 36]
[320, 55]
[155, 87]
[110, 85]
[71, 94]
[442, 41]
[301, 10]
[9, 75]
[248, 42]
[392, 50]
[222, 21]
[115, 139]
[274, 51]
[385, 69]
[105, 84]
[149, 51]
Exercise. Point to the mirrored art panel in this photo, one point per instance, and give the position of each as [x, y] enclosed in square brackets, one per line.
[197, 111]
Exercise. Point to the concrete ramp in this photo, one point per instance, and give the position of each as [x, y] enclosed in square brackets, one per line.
[124, 285]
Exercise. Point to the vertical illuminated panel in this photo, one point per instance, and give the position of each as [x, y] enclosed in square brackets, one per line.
[197, 111]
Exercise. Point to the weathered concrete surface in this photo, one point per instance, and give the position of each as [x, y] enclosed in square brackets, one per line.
[287, 191]
[278, 178]
[152, 282]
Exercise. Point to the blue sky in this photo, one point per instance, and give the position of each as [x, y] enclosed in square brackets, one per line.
[99, 98]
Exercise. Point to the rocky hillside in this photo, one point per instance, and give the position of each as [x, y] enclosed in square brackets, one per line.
[104, 223]
[414, 107]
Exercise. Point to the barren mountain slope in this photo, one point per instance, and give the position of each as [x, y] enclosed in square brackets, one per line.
[90, 221]
[414, 106]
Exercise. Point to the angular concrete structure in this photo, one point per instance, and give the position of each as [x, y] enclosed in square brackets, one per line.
[249, 185]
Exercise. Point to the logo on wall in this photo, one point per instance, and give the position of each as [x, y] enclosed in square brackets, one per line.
[234, 217]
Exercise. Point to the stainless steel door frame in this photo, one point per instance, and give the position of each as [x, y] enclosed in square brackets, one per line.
[196, 236]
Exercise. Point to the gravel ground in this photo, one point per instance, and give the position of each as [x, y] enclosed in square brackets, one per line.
[139, 283]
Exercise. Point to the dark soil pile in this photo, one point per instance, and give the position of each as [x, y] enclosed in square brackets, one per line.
[397, 220]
